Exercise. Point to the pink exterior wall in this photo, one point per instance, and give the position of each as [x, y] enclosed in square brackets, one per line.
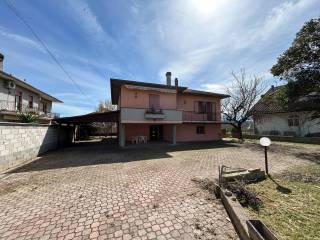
[128, 99]
[188, 132]
[186, 103]
[185, 132]
[133, 130]
[167, 133]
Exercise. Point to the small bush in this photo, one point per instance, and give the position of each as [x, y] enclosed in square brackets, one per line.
[28, 117]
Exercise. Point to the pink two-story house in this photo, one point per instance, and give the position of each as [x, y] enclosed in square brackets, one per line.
[165, 112]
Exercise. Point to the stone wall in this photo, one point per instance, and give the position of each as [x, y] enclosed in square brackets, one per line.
[20, 142]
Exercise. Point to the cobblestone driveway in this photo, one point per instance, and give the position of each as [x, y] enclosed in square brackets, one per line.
[94, 191]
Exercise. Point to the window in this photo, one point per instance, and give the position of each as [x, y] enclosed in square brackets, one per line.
[203, 107]
[18, 101]
[154, 101]
[44, 107]
[200, 130]
[30, 102]
[293, 121]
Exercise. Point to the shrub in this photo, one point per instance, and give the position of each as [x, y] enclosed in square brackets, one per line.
[28, 117]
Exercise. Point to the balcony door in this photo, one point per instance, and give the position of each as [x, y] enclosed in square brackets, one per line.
[18, 101]
[154, 101]
[205, 108]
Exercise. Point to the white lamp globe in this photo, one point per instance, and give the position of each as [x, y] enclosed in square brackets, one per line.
[264, 141]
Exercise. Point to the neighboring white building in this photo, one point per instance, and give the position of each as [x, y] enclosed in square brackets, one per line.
[17, 96]
[272, 118]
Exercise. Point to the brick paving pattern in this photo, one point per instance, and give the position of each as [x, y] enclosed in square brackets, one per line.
[93, 191]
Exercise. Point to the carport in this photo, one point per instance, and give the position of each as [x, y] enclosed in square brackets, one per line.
[76, 121]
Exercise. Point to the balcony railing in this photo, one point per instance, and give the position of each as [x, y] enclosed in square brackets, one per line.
[24, 108]
[191, 116]
[154, 111]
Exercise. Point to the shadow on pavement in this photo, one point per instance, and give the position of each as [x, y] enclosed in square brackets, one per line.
[106, 151]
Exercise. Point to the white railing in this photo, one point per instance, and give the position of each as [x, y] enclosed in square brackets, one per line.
[24, 108]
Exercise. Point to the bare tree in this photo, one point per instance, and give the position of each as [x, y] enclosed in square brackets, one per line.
[106, 106]
[244, 92]
[105, 128]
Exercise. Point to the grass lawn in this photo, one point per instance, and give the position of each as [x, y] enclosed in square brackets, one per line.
[291, 203]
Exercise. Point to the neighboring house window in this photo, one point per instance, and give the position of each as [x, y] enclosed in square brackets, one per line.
[30, 101]
[18, 101]
[44, 107]
[154, 101]
[200, 130]
[293, 121]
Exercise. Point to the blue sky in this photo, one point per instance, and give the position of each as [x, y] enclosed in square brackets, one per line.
[199, 41]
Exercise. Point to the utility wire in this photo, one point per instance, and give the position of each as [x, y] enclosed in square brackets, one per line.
[14, 10]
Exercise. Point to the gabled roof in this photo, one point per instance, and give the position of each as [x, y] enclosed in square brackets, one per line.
[116, 84]
[23, 84]
[271, 102]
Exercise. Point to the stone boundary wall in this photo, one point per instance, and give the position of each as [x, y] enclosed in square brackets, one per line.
[21, 142]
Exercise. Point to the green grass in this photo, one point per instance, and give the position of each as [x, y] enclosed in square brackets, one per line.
[291, 203]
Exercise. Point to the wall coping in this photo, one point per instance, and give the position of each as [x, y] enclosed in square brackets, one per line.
[26, 124]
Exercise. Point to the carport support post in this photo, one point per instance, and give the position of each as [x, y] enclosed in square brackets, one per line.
[174, 134]
[122, 134]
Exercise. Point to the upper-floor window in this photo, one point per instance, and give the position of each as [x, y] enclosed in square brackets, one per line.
[154, 101]
[293, 120]
[30, 105]
[18, 101]
[44, 107]
[204, 107]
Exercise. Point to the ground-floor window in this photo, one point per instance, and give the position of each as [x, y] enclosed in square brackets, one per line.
[293, 120]
[200, 130]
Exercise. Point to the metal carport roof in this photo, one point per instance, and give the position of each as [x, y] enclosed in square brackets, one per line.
[112, 116]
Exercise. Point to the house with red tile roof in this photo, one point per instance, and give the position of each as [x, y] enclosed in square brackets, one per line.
[272, 116]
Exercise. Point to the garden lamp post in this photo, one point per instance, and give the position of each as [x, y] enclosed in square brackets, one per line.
[265, 142]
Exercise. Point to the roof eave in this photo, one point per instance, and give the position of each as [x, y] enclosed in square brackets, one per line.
[30, 87]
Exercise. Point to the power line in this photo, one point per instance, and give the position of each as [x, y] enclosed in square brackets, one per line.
[13, 9]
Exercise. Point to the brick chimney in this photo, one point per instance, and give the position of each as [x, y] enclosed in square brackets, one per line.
[176, 82]
[168, 76]
[1, 62]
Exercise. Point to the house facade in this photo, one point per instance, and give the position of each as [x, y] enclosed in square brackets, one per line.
[17, 96]
[165, 112]
[273, 118]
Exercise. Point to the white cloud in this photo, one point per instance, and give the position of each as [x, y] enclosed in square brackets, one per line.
[214, 87]
[82, 13]
[191, 37]
[66, 110]
[21, 39]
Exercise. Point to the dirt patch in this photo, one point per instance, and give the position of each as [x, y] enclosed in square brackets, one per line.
[212, 225]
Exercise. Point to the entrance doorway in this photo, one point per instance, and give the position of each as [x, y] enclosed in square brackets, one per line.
[156, 132]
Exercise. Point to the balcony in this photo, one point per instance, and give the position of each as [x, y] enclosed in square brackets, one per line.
[152, 113]
[191, 116]
[11, 107]
[146, 115]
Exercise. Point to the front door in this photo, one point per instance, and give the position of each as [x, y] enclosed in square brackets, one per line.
[156, 132]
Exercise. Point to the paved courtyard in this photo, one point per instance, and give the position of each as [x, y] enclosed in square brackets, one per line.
[95, 191]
